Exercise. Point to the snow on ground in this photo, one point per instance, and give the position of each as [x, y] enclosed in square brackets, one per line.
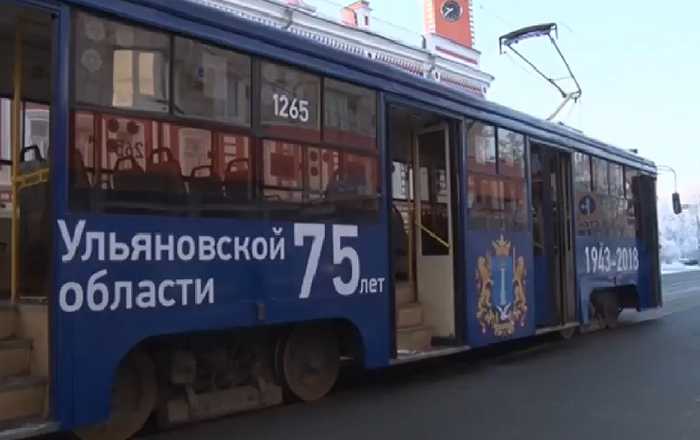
[675, 267]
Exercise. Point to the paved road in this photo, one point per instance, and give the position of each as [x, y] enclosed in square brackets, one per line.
[640, 381]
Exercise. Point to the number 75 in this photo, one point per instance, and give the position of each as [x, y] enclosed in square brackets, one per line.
[317, 233]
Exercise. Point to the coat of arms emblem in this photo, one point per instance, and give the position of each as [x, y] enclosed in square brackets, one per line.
[501, 285]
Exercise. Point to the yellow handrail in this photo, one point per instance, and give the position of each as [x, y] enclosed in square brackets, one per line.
[434, 235]
[14, 155]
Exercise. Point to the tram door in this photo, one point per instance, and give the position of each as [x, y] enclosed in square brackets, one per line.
[25, 233]
[555, 293]
[433, 228]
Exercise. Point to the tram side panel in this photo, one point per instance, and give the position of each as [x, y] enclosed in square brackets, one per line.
[609, 256]
[122, 280]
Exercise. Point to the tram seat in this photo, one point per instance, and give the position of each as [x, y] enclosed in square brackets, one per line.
[33, 223]
[165, 182]
[78, 182]
[206, 190]
[347, 194]
[237, 182]
[400, 238]
[128, 183]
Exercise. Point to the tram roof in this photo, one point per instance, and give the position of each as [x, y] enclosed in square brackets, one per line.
[200, 20]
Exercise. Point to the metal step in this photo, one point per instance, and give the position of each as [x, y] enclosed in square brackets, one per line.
[409, 315]
[22, 397]
[15, 357]
[403, 292]
[414, 339]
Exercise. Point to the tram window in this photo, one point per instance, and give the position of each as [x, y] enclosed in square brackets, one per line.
[109, 73]
[616, 180]
[630, 175]
[150, 167]
[601, 183]
[611, 214]
[232, 159]
[516, 204]
[191, 147]
[497, 203]
[481, 148]
[582, 172]
[511, 153]
[124, 137]
[350, 115]
[497, 196]
[283, 176]
[631, 217]
[290, 103]
[320, 182]
[211, 83]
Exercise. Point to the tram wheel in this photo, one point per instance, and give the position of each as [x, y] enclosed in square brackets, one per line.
[612, 317]
[134, 394]
[309, 362]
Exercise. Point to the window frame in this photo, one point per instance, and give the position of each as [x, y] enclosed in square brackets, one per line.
[74, 103]
[521, 222]
[254, 131]
[174, 91]
[374, 97]
[609, 226]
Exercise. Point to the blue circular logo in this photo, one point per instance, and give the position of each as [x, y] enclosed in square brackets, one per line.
[587, 205]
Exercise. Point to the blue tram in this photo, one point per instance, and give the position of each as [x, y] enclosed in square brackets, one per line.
[226, 211]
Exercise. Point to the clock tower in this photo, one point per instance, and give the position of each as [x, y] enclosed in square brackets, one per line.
[450, 19]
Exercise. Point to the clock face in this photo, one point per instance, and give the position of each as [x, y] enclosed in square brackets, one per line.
[451, 10]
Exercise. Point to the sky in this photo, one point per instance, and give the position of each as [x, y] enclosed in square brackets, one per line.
[634, 61]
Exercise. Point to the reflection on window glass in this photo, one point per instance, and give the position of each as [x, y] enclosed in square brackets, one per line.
[325, 174]
[582, 172]
[601, 183]
[615, 210]
[191, 146]
[124, 137]
[401, 181]
[152, 167]
[497, 203]
[289, 102]
[616, 176]
[233, 160]
[350, 115]
[511, 153]
[211, 83]
[313, 176]
[497, 197]
[481, 148]
[282, 177]
[175, 163]
[631, 176]
[118, 65]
